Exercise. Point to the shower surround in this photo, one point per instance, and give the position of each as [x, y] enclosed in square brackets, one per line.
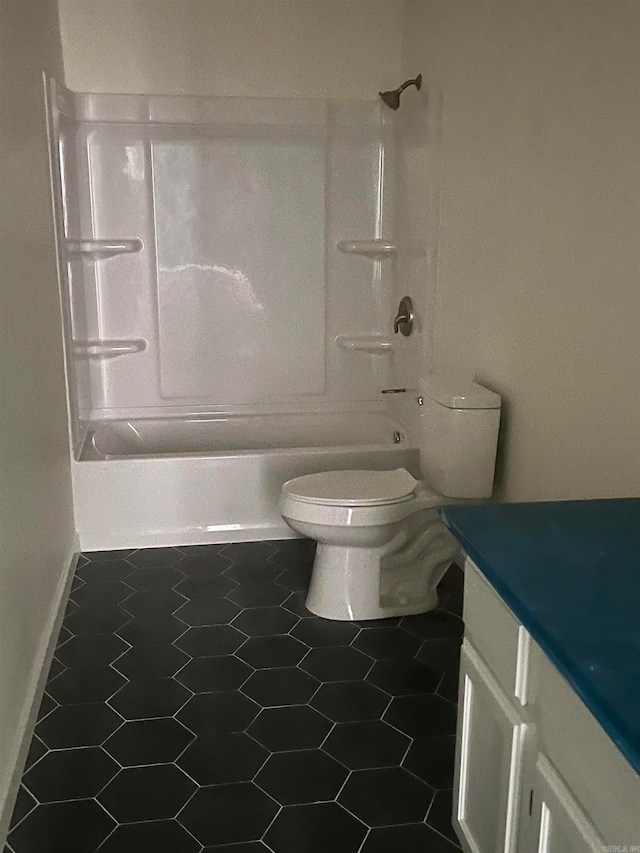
[229, 272]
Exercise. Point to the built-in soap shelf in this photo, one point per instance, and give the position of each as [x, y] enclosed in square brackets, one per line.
[372, 344]
[377, 249]
[104, 348]
[96, 250]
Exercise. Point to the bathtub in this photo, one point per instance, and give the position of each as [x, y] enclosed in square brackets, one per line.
[201, 480]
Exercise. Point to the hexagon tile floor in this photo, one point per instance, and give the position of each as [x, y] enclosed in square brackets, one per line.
[194, 705]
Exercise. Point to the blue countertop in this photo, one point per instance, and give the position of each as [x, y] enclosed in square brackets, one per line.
[570, 573]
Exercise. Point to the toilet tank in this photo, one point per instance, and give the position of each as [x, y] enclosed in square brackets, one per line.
[459, 423]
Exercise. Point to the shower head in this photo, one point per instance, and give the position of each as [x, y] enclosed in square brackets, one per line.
[392, 98]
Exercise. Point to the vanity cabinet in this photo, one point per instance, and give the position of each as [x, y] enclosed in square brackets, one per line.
[535, 771]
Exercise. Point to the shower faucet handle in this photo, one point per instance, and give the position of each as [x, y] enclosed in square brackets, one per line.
[403, 321]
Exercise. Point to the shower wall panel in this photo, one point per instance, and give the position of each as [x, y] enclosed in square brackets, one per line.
[201, 259]
[240, 239]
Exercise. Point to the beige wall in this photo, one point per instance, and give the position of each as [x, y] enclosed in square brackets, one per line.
[36, 519]
[268, 48]
[539, 263]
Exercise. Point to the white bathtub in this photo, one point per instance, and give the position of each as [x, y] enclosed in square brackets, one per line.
[199, 480]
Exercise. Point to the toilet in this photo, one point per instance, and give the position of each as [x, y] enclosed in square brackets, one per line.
[382, 550]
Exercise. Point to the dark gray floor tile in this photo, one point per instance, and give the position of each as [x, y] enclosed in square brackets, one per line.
[441, 655]
[294, 727]
[259, 594]
[78, 725]
[341, 663]
[252, 571]
[23, 805]
[92, 594]
[85, 684]
[73, 827]
[55, 669]
[208, 611]
[152, 630]
[155, 577]
[365, 744]
[97, 619]
[224, 758]
[213, 675]
[148, 742]
[292, 552]
[404, 677]
[439, 816]
[152, 837]
[107, 556]
[95, 650]
[295, 578]
[70, 774]
[153, 602]
[422, 716]
[383, 643]
[211, 640]
[432, 759]
[386, 797]
[228, 814]
[315, 828]
[114, 570]
[322, 632]
[448, 687]
[210, 714]
[242, 551]
[63, 636]
[295, 604]
[306, 776]
[47, 704]
[409, 838]
[204, 565]
[147, 793]
[265, 621]
[151, 662]
[434, 625]
[36, 750]
[347, 701]
[200, 550]
[150, 697]
[267, 652]
[156, 557]
[202, 586]
[285, 686]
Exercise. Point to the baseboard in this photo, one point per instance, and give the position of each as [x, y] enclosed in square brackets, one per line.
[30, 708]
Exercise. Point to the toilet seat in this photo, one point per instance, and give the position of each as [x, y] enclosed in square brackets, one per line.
[353, 488]
[328, 498]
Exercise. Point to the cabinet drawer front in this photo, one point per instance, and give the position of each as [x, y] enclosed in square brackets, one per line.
[497, 635]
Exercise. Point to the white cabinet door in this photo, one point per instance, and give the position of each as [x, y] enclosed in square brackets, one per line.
[562, 826]
[490, 747]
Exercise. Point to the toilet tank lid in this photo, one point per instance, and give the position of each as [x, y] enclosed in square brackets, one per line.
[352, 488]
[456, 393]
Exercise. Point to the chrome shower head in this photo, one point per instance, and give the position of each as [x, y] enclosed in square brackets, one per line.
[392, 98]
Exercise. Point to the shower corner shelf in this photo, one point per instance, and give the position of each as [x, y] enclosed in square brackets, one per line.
[376, 249]
[104, 348]
[371, 344]
[95, 250]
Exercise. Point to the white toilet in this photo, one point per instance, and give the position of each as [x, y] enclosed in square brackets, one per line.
[382, 549]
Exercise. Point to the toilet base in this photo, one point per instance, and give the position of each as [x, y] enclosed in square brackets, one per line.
[398, 579]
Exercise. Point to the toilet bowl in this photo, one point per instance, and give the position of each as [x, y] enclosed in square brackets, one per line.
[382, 549]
